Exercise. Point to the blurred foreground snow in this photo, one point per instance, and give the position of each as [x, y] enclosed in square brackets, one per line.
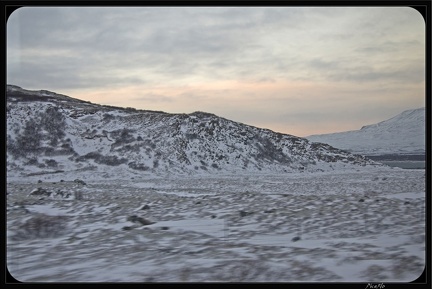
[364, 226]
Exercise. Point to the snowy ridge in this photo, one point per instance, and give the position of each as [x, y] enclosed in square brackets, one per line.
[48, 132]
[402, 134]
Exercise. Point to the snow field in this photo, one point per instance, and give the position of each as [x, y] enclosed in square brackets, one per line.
[364, 226]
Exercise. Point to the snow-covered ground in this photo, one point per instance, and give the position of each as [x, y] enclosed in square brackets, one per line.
[403, 134]
[366, 225]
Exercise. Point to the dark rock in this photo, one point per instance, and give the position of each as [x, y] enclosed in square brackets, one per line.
[406, 203]
[213, 216]
[133, 218]
[361, 200]
[295, 239]
[59, 194]
[164, 228]
[142, 221]
[270, 211]
[78, 181]
[40, 192]
[39, 181]
[127, 228]
[244, 213]
[197, 203]
[145, 207]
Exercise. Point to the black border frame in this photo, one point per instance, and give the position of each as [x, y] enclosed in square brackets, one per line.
[424, 8]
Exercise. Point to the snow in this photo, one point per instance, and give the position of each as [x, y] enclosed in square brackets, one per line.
[402, 134]
[408, 195]
[46, 209]
[208, 227]
[200, 235]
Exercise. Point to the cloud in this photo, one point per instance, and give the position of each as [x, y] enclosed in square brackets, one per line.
[221, 43]
[152, 97]
[365, 74]
[276, 66]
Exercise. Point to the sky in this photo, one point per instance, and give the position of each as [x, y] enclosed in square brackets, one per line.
[294, 70]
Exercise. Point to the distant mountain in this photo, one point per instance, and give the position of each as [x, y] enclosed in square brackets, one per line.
[403, 134]
[49, 133]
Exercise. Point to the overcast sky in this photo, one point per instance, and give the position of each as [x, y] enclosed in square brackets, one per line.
[299, 71]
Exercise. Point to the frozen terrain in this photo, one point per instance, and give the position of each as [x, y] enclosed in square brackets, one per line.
[403, 134]
[350, 225]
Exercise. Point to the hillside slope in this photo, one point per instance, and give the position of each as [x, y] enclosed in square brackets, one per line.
[48, 133]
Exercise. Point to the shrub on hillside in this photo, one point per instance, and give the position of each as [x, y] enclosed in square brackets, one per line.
[51, 163]
[122, 136]
[53, 121]
[101, 159]
[138, 166]
[30, 138]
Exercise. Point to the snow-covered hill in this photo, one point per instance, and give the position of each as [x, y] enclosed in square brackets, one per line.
[49, 133]
[400, 135]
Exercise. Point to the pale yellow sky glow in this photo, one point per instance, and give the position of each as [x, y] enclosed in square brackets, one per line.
[234, 100]
[295, 70]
